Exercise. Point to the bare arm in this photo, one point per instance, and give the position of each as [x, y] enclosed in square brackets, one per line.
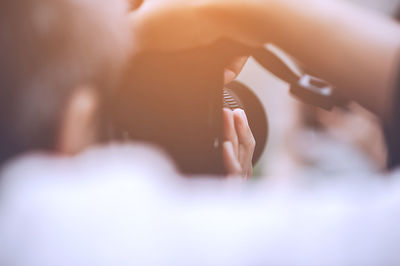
[357, 50]
[351, 47]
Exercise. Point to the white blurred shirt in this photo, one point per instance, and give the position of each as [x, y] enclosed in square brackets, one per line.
[127, 205]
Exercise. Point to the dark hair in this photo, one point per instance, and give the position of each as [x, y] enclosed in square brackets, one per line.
[47, 47]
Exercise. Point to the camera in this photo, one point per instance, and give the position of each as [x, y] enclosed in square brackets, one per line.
[175, 100]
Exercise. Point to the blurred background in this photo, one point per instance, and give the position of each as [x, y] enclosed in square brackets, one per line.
[307, 141]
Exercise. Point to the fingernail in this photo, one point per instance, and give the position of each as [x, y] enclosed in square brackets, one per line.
[226, 109]
[229, 146]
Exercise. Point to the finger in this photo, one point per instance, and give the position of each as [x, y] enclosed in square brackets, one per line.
[229, 130]
[231, 163]
[234, 68]
[246, 141]
[250, 171]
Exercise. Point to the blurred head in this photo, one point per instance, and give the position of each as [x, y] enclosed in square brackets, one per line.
[58, 58]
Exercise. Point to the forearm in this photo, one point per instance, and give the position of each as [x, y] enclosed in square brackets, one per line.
[353, 48]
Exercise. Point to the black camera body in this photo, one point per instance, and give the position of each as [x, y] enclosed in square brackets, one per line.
[175, 100]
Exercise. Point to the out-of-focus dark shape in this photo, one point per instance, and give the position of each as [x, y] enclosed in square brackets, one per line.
[175, 100]
[47, 49]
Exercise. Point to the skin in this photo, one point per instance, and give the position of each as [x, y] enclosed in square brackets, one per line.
[239, 143]
[79, 128]
[353, 48]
